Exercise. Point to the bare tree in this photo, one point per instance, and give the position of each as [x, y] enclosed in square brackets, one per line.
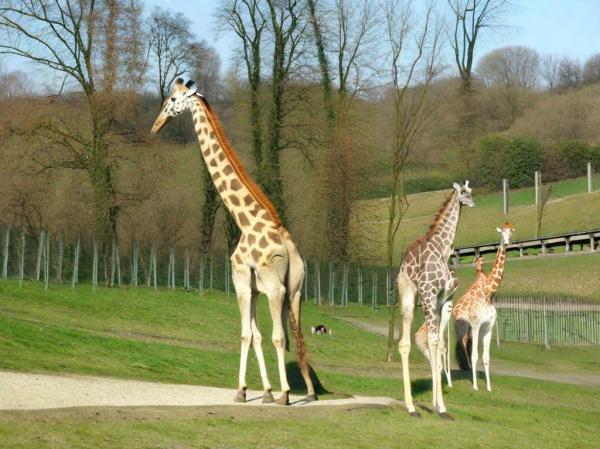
[61, 37]
[549, 70]
[470, 18]
[591, 69]
[514, 66]
[246, 19]
[570, 74]
[170, 41]
[415, 47]
[205, 65]
[345, 36]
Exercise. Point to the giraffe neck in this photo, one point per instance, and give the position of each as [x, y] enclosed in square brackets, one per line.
[444, 230]
[242, 197]
[495, 276]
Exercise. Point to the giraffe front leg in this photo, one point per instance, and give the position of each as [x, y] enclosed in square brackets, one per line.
[244, 301]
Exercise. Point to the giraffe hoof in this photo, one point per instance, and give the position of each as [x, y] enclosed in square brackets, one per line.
[284, 399]
[445, 415]
[268, 397]
[415, 414]
[240, 396]
[311, 398]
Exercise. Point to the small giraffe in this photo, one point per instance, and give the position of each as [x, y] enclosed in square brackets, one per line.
[265, 260]
[475, 313]
[421, 334]
[425, 271]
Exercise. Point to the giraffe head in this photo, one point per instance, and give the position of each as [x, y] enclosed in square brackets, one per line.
[180, 100]
[478, 263]
[506, 233]
[464, 194]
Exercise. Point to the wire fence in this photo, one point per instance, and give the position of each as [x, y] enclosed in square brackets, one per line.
[547, 320]
[56, 259]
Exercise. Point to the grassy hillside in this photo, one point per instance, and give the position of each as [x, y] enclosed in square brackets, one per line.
[173, 336]
[568, 275]
[568, 210]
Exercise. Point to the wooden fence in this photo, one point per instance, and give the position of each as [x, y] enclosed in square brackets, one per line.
[586, 240]
[547, 320]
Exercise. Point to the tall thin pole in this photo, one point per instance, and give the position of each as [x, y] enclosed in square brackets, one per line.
[537, 187]
[505, 195]
[75, 277]
[6, 251]
[95, 265]
[47, 261]
[38, 268]
[589, 177]
[22, 258]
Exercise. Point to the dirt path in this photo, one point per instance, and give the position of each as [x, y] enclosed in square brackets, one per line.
[499, 367]
[24, 391]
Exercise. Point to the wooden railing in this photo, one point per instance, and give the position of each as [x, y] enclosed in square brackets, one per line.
[544, 244]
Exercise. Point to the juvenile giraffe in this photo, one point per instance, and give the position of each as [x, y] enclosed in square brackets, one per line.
[421, 334]
[265, 260]
[475, 313]
[425, 271]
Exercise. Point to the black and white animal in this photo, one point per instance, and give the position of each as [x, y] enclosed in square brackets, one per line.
[320, 329]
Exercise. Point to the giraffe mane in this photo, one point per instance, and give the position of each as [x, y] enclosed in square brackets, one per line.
[237, 165]
[439, 216]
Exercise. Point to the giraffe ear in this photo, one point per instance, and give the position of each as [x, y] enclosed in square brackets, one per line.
[498, 230]
[456, 186]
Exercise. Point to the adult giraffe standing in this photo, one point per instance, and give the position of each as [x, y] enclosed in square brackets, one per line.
[474, 313]
[265, 260]
[425, 271]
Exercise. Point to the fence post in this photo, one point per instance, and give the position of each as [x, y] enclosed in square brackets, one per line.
[201, 279]
[537, 182]
[318, 268]
[154, 266]
[546, 340]
[589, 177]
[186, 271]
[61, 254]
[6, 250]
[47, 261]
[22, 258]
[75, 277]
[38, 267]
[95, 265]
[211, 269]
[505, 195]
[134, 262]
[360, 286]
[172, 267]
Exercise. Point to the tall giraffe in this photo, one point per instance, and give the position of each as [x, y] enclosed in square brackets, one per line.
[421, 334]
[475, 313]
[425, 271]
[265, 260]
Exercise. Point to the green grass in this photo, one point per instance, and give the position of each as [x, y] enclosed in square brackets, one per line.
[569, 209]
[173, 336]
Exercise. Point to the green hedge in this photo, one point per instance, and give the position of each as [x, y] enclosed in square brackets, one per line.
[515, 159]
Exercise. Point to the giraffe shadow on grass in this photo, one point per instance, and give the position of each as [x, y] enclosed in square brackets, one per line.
[297, 382]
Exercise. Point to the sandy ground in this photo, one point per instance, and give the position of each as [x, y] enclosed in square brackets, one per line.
[24, 391]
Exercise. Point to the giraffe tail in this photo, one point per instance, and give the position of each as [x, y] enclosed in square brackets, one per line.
[463, 344]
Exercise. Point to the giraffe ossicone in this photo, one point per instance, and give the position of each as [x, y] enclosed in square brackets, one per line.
[265, 260]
